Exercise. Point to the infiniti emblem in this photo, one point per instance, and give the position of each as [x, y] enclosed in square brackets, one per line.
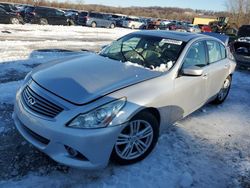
[31, 101]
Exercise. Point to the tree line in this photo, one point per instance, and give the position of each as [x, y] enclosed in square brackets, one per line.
[237, 10]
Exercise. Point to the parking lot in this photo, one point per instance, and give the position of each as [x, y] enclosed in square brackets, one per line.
[210, 148]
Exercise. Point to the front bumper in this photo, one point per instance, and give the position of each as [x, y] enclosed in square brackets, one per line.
[53, 138]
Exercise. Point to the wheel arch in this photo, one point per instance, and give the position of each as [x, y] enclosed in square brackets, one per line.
[154, 111]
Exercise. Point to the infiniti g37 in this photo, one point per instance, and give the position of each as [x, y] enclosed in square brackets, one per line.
[84, 111]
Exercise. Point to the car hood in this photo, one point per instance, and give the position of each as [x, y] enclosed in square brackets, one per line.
[85, 78]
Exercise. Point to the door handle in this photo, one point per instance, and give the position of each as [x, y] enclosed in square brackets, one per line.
[226, 66]
[204, 76]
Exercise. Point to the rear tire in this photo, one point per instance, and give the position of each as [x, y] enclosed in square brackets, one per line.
[223, 93]
[43, 21]
[14, 21]
[93, 24]
[71, 23]
[136, 140]
[112, 26]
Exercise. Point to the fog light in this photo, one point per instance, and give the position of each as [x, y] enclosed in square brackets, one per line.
[72, 152]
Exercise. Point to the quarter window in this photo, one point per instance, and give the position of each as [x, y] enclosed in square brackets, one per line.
[196, 56]
[214, 51]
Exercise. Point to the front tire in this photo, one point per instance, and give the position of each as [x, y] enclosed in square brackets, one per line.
[137, 139]
[223, 93]
[112, 26]
[43, 21]
[93, 24]
[14, 21]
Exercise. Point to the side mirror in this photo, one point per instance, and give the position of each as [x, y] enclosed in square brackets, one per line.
[192, 71]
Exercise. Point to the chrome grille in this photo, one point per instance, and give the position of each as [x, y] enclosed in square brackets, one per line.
[38, 104]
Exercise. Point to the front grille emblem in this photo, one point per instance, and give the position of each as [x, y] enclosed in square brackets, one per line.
[31, 101]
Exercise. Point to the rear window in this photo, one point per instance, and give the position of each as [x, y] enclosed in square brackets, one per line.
[214, 51]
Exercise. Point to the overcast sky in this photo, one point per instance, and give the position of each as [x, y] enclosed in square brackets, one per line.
[218, 5]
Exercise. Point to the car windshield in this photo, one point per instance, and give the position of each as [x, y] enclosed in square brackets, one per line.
[151, 52]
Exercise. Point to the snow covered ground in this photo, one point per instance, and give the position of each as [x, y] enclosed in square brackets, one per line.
[210, 148]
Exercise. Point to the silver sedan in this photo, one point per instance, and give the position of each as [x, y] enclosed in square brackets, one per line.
[86, 110]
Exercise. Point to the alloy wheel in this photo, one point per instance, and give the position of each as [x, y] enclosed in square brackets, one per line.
[134, 140]
[224, 90]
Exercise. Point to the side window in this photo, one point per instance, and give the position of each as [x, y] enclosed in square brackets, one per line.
[223, 51]
[59, 13]
[196, 56]
[214, 51]
[100, 16]
[2, 11]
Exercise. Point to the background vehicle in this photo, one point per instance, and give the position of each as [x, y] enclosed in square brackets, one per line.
[9, 17]
[193, 28]
[202, 21]
[132, 23]
[205, 28]
[118, 18]
[72, 16]
[241, 47]
[21, 10]
[45, 16]
[95, 19]
[8, 7]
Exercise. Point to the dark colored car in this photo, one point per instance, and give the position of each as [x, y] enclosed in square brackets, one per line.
[72, 16]
[95, 19]
[244, 31]
[9, 17]
[8, 7]
[45, 16]
[241, 47]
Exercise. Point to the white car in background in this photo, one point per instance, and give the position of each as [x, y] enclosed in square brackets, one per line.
[132, 23]
[193, 28]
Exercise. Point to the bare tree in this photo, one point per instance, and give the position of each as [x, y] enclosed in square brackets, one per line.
[239, 10]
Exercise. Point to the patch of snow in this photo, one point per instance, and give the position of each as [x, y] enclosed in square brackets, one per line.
[161, 68]
[186, 180]
[8, 91]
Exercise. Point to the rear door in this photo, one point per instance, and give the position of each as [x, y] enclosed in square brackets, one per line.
[218, 68]
[100, 20]
[190, 91]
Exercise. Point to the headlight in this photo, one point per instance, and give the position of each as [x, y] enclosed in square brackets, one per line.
[99, 117]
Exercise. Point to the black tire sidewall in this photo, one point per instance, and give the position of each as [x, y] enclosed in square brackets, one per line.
[11, 20]
[146, 116]
[217, 100]
[43, 21]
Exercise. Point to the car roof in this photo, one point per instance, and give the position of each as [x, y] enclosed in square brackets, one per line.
[182, 36]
